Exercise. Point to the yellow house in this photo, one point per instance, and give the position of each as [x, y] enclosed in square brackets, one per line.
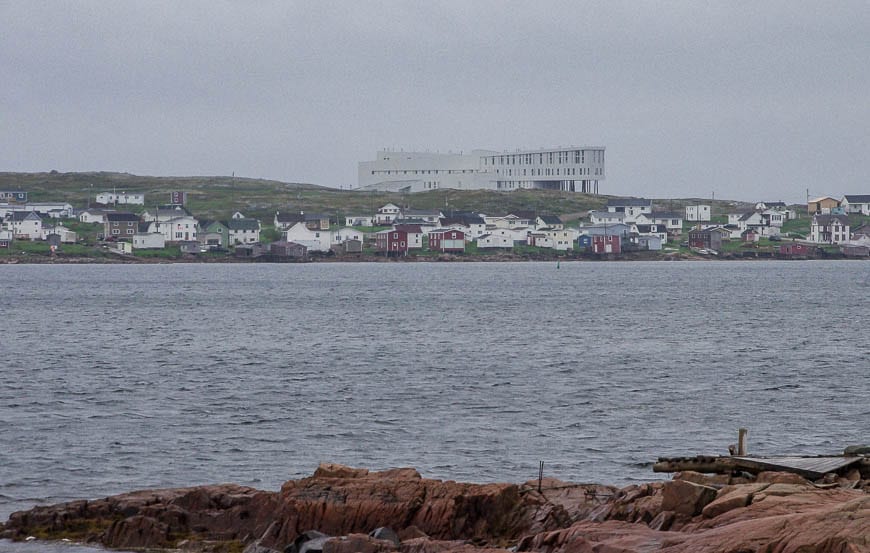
[822, 205]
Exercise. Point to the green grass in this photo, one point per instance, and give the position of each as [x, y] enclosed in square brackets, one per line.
[219, 197]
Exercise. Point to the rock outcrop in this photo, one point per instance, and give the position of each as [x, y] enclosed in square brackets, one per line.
[345, 510]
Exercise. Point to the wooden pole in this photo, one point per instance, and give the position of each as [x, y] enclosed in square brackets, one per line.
[741, 441]
[540, 475]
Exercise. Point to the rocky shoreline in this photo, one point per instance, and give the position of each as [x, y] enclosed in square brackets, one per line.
[348, 510]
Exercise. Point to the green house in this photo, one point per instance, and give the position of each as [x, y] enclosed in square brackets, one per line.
[214, 234]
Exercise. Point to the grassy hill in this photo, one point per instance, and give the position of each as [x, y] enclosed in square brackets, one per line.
[219, 197]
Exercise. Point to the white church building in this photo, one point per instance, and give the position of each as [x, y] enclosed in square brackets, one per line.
[572, 169]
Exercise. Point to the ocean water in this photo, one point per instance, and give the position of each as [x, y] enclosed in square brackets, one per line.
[115, 378]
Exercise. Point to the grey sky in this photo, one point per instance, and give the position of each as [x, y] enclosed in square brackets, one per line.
[752, 100]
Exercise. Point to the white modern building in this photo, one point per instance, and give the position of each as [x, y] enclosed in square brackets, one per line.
[572, 169]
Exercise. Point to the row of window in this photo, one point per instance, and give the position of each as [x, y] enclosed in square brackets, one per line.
[564, 156]
[569, 171]
[423, 172]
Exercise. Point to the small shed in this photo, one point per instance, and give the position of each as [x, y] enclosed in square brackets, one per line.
[249, 251]
[189, 246]
[855, 250]
[795, 250]
[288, 250]
[348, 247]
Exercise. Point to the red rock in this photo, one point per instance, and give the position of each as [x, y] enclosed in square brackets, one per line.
[135, 532]
[780, 478]
[470, 518]
[686, 498]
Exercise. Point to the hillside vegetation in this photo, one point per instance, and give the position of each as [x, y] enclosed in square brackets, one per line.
[219, 197]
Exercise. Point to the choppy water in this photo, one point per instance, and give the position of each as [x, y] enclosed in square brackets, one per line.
[123, 377]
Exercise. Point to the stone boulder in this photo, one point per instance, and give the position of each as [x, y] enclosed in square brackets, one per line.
[686, 498]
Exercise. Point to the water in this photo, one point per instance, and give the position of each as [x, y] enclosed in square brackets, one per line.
[114, 378]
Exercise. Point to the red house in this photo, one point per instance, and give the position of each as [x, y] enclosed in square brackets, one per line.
[392, 243]
[606, 244]
[447, 240]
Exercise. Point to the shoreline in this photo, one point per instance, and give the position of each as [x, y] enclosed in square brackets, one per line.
[340, 509]
[447, 258]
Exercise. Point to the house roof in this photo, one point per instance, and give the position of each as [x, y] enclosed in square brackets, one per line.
[828, 219]
[173, 211]
[409, 228]
[746, 216]
[24, 215]
[120, 216]
[857, 198]
[242, 224]
[421, 213]
[411, 221]
[291, 217]
[629, 202]
[817, 200]
[525, 214]
[550, 219]
[774, 204]
[666, 215]
[607, 214]
[646, 229]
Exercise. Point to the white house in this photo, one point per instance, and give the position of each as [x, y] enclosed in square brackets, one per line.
[648, 242]
[386, 214]
[241, 230]
[66, 235]
[830, 229]
[25, 225]
[506, 221]
[494, 241]
[55, 210]
[561, 239]
[5, 238]
[347, 233]
[125, 198]
[607, 217]
[148, 241]
[700, 212]
[539, 239]
[359, 221]
[424, 216]
[672, 220]
[314, 240]
[93, 216]
[177, 229]
[859, 203]
[659, 231]
[515, 235]
[631, 207]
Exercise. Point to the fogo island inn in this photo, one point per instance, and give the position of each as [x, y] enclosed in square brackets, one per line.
[572, 169]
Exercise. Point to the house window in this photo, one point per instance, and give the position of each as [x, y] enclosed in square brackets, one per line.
[116, 231]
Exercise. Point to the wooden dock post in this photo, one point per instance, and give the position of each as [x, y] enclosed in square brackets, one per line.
[741, 441]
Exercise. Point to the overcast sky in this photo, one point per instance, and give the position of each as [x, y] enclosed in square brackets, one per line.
[747, 100]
